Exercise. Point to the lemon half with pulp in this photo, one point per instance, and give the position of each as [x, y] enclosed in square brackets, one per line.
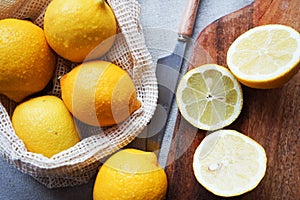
[266, 56]
[209, 97]
[229, 163]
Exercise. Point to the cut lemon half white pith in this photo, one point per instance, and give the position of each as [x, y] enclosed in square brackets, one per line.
[209, 97]
[266, 56]
[229, 163]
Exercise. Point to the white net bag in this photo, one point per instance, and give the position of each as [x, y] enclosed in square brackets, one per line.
[78, 164]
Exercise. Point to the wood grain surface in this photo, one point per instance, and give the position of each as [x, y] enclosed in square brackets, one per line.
[271, 117]
[188, 19]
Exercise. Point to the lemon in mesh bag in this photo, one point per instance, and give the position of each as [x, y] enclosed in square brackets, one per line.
[27, 63]
[75, 28]
[45, 125]
[99, 93]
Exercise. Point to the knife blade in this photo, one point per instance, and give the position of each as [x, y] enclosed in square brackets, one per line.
[168, 69]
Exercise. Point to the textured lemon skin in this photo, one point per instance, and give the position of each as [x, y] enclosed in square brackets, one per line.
[26, 61]
[74, 28]
[99, 93]
[131, 174]
[45, 125]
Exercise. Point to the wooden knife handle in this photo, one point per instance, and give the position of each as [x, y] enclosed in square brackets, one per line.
[187, 22]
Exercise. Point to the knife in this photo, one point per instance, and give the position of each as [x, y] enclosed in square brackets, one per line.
[167, 72]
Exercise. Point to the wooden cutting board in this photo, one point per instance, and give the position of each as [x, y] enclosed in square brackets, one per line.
[271, 117]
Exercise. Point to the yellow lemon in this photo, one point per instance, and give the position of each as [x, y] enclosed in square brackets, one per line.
[45, 125]
[74, 28]
[229, 163]
[99, 93]
[26, 61]
[266, 56]
[131, 174]
[209, 97]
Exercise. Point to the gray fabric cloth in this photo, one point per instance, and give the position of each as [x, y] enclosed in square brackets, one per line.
[160, 21]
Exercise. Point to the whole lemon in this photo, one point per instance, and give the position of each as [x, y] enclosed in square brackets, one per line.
[131, 174]
[74, 28]
[99, 93]
[45, 125]
[26, 61]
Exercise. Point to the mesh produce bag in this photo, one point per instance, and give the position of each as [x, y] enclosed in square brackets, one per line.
[78, 164]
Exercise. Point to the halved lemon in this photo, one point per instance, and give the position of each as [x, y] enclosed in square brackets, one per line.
[266, 56]
[209, 97]
[229, 163]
